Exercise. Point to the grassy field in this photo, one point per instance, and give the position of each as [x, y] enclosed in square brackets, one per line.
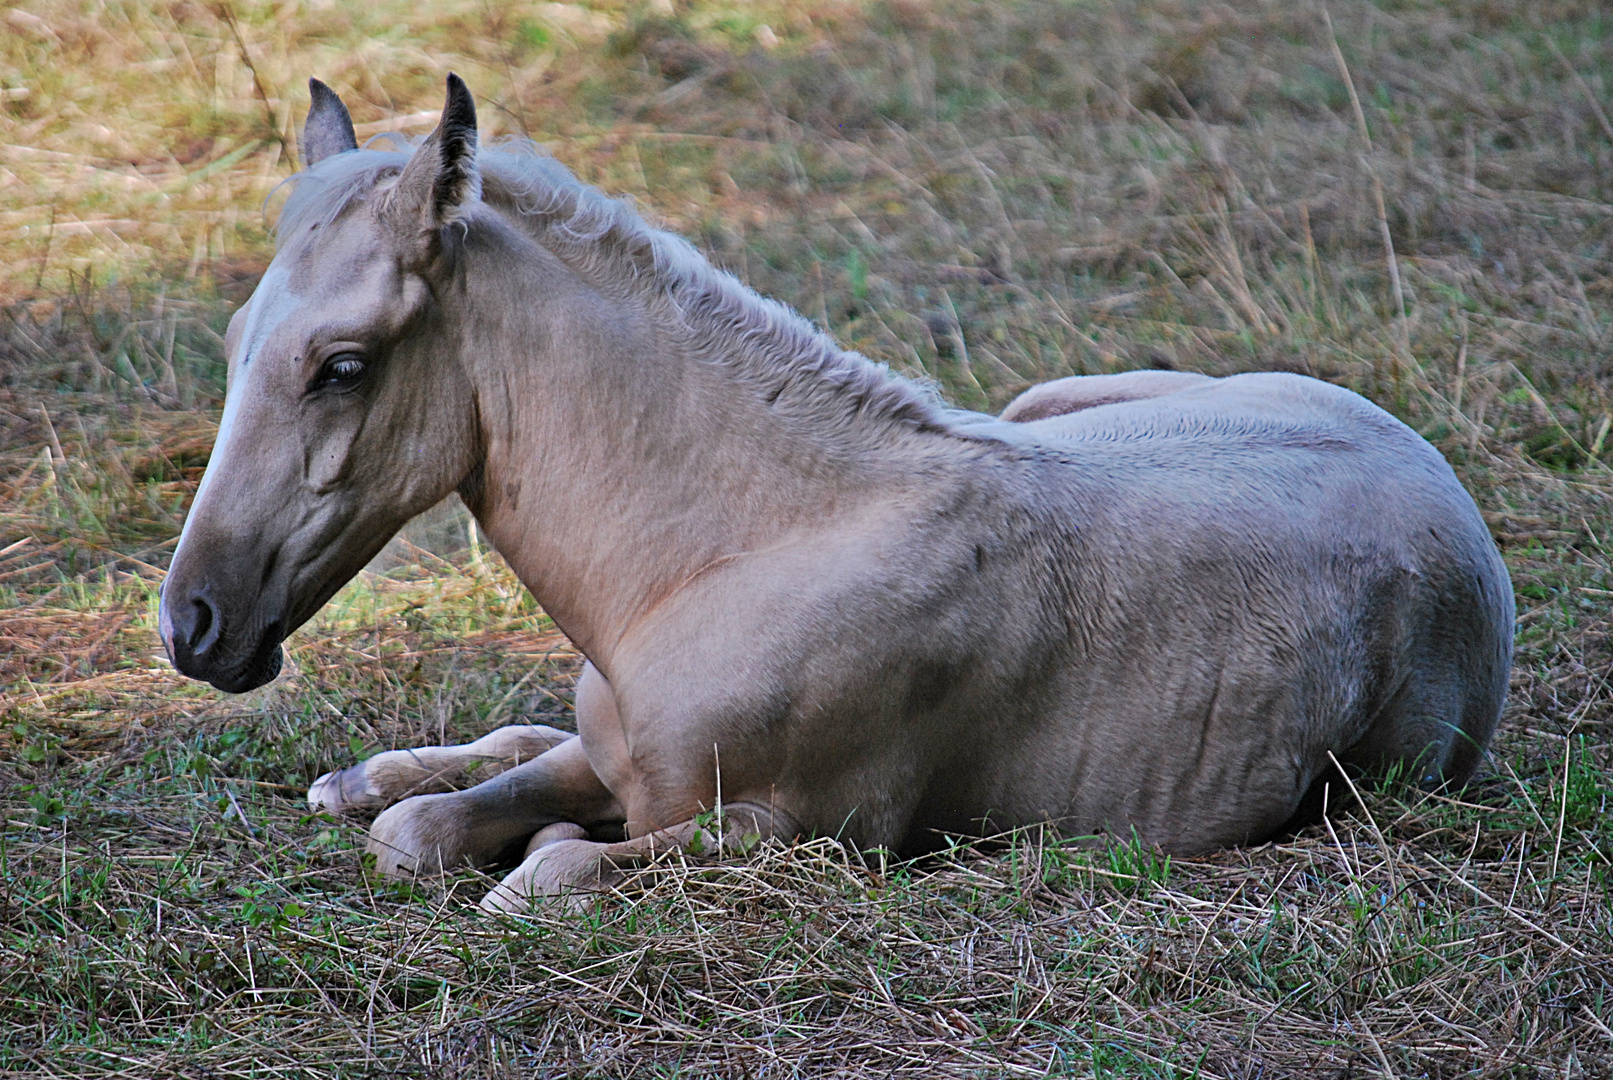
[1413, 199]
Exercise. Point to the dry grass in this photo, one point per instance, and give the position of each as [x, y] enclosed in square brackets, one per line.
[986, 194]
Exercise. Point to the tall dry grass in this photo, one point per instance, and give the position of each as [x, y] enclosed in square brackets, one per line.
[1411, 199]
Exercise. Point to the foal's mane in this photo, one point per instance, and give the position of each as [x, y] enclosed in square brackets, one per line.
[763, 342]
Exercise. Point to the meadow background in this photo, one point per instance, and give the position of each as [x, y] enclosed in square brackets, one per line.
[1413, 199]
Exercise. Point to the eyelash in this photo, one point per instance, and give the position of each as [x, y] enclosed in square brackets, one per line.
[351, 367]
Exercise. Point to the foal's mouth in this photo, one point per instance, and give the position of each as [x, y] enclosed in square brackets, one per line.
[260, 668]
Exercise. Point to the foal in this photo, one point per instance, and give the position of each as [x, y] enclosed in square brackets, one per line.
[1150, 601]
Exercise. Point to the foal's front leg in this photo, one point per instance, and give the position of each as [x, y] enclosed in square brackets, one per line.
[430, 834]
[391, 775]
[567, 865]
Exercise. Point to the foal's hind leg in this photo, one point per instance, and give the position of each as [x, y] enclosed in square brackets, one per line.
[1433, 731]
[1063, 396]
[379, 781]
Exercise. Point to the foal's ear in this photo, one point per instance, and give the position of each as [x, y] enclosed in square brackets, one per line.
[329, 129]
[441, 178]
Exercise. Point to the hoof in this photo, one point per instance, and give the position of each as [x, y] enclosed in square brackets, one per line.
[345, 790]
[575, 870]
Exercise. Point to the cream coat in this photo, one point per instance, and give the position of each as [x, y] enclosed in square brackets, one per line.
[1152, 601]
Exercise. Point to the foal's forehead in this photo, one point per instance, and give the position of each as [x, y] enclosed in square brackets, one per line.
[303, 282]
[351, 241]
[273, 302]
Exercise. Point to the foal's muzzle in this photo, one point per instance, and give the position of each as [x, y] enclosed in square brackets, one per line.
[196, 633]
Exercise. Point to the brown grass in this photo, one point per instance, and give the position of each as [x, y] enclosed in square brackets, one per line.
[986, 194]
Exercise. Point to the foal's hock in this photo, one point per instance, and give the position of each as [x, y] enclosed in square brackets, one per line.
[1154, 601]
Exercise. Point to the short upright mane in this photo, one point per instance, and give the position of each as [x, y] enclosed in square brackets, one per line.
[765, 343]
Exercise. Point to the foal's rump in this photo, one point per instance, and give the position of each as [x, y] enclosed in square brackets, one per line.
[1291, 572]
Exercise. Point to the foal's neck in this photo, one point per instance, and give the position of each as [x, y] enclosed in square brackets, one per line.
[621, 463]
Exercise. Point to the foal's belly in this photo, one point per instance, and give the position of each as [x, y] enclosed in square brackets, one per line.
[1113, 772]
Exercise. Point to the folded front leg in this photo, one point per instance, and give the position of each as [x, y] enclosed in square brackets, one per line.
[391, 775]
[575, 866]
[431, 834]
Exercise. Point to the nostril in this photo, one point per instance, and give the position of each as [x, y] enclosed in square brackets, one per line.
[204, 630]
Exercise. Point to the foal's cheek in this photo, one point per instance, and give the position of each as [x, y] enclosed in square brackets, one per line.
[328, 439]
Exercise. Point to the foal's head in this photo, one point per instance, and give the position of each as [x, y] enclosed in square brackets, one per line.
[348, 411]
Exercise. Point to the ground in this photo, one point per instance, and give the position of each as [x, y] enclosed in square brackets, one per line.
[1414, 200]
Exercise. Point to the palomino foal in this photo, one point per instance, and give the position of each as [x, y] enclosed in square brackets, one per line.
[1154, 601]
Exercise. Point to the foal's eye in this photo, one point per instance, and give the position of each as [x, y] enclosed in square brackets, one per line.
[341, 371]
